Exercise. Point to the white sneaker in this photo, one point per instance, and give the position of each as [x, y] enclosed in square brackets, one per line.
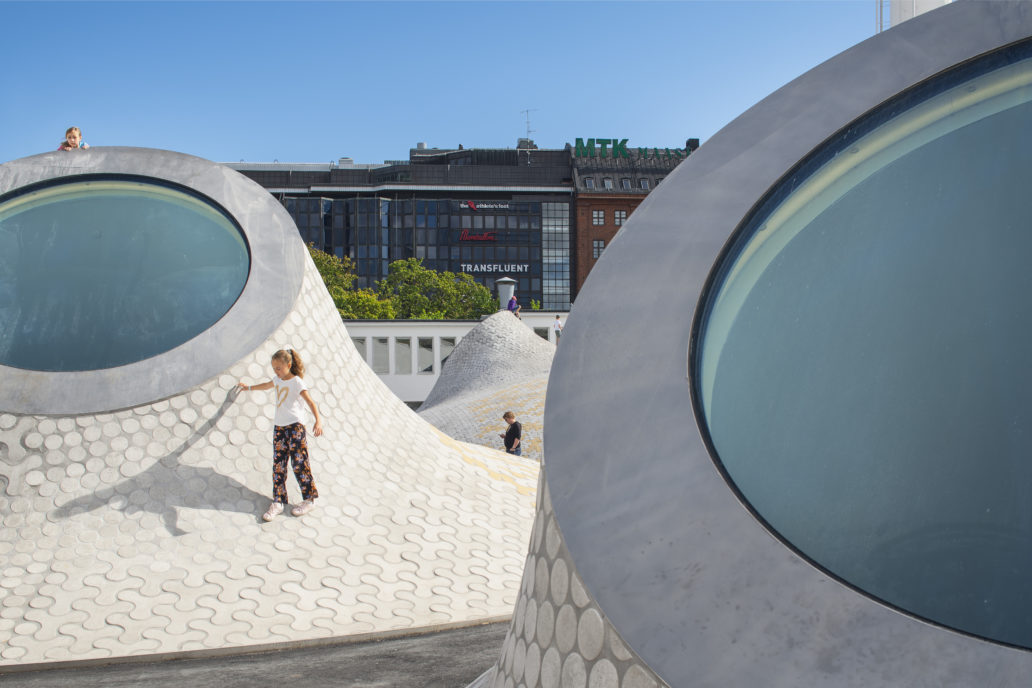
[303, 508]
[275, 509]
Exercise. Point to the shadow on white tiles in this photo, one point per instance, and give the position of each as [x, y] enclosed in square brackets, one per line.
[169, 484]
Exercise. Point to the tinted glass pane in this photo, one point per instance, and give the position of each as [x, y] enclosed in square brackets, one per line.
[864, 360]
[98, 274]
[403, 356]
[448, 343]
[426, 355]
[381, 363]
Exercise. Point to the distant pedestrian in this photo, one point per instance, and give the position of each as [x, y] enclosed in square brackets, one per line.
[557, 327]
[513, 436]
[289, 441]
[73, 140]
[514, 306]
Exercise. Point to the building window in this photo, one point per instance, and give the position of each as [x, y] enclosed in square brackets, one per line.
[658, 181]
[447, 346]
[589, 182]
[625, 183]
[597, 246]
[643, 183]
[381, 363]
[598, 217]
[402, 355]
[608, 183]
[359, 343]
[555, 256]
[426, 356]
[620, 217]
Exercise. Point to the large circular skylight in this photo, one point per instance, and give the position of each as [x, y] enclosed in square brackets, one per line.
[98, 273]
[864, 358]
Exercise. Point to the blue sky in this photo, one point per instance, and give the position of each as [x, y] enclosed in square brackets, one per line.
[314, 81]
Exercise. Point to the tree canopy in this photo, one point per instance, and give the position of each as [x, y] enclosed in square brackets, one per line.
[410, 291]
[422, 294]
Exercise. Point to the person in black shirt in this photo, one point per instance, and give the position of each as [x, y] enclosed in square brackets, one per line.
[514, 435]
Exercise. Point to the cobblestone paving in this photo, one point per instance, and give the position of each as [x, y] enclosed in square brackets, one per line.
[139, 531]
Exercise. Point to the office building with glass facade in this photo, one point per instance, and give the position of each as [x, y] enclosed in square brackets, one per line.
[483, 212]
[540, 216]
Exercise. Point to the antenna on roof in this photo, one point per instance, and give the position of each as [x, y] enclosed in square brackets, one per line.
[526, 113]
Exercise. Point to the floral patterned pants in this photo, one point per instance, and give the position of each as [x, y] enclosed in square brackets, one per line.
[288, 441]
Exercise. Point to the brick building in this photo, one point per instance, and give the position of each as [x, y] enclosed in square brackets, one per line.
[610, 180]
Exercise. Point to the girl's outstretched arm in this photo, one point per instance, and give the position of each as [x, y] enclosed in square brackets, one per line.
[317, 428]
[247, 388]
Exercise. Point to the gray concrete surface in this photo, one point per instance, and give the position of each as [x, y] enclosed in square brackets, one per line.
[436, 660]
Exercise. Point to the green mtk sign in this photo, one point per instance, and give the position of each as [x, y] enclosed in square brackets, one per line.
[617, 148]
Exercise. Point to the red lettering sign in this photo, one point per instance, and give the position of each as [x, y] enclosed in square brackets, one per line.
[464, 235]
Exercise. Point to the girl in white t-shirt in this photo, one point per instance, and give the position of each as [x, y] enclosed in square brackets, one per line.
[289, 434]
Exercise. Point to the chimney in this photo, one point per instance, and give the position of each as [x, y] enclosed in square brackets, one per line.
[506, 288]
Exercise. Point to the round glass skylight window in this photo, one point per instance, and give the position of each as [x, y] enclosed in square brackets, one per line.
[101, 272]
[864, 362]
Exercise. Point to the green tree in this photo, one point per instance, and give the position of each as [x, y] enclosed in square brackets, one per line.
[363, 304]
[338, 275]
[336, 272]
[422, 294]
